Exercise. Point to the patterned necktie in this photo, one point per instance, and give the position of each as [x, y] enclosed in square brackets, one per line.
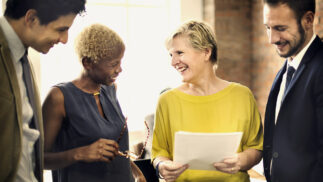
[290, 72]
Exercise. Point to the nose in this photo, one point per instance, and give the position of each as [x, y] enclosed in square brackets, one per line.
[273, 36]
[63, 37]
[119, 70]
[174, 60]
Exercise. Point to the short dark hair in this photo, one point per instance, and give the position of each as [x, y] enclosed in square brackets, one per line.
[47, 10]
[299, 7]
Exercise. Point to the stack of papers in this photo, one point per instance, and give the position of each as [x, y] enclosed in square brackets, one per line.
[201, 150]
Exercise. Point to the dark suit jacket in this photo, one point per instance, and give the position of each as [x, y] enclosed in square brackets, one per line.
[11, 119]
[295, 143]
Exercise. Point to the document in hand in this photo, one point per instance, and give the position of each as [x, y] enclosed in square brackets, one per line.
[201, 150]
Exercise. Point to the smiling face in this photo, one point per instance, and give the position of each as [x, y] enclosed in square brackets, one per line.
[189, 62]
[106, 71]
[283, 30]
[44, 37]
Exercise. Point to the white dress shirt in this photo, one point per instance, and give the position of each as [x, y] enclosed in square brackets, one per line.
[29, 136]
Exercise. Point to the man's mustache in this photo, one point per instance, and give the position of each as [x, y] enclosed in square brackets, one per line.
[280, 43]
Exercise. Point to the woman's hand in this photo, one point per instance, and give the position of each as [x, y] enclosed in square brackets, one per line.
[229, 165]
[242, 161]
[170, 171]
[102, 150]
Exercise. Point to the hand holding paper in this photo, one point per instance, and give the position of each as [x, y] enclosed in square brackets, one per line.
[229, 165]
[202, 150]
[170, 170]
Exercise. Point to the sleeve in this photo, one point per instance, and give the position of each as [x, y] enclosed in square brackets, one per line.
[255, 130]
[160, 143]
[318, 95]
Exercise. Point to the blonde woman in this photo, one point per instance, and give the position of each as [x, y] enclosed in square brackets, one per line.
[204, 103]
[83, 122]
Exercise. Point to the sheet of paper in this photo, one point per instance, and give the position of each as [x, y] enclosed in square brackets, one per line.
[201, 150]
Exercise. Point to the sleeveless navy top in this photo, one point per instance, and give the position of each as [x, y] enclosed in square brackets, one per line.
[84, 125]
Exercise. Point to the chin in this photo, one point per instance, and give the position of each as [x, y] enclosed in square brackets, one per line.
[109, 83]
[282, 54]
[44, 51]
[285, 54]
[186, 80]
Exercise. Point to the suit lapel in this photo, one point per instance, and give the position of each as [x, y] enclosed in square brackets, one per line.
[276, 84]
[39, 145]
[297, 75]
[9, 66]
[272, 98]
[305, 60]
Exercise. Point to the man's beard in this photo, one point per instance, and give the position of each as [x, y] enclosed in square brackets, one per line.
[296, 48]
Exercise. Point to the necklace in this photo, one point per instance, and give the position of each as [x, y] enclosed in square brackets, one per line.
[96, 93]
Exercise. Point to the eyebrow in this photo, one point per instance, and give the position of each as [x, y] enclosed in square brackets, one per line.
[276, 26]
[62, 28]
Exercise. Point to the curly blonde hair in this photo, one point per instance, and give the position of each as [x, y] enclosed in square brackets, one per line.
[201, 36]
[98, 42]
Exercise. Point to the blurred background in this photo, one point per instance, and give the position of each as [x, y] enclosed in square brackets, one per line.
[245, 56]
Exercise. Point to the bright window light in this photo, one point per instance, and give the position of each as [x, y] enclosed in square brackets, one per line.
[144, 26]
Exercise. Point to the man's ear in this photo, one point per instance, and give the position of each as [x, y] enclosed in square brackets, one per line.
[308, 20]
[87, 63]
[31, 18]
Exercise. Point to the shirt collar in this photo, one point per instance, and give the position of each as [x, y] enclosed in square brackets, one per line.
[297, 59]
[15, 45]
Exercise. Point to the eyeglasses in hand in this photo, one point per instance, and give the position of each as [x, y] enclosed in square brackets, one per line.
[129, 154]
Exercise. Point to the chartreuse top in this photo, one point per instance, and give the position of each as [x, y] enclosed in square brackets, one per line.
[232, 109]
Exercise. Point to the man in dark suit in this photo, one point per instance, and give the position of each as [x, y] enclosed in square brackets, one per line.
[39, 24]
[293, 136]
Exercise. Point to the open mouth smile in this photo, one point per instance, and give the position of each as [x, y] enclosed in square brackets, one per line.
[181, 69]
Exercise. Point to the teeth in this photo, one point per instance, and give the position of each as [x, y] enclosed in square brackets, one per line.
[181, 69]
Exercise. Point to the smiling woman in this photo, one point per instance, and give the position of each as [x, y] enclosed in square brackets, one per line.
[146, 61]
[204, 103]
[83, 119]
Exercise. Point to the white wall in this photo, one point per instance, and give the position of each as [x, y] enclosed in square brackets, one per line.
[66, 69]
[2, 6]
[146, 64]
[191, 9]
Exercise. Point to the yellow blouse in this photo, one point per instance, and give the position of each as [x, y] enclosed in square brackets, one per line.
[232, 109]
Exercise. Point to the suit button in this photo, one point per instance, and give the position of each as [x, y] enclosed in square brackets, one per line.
[275, 155]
